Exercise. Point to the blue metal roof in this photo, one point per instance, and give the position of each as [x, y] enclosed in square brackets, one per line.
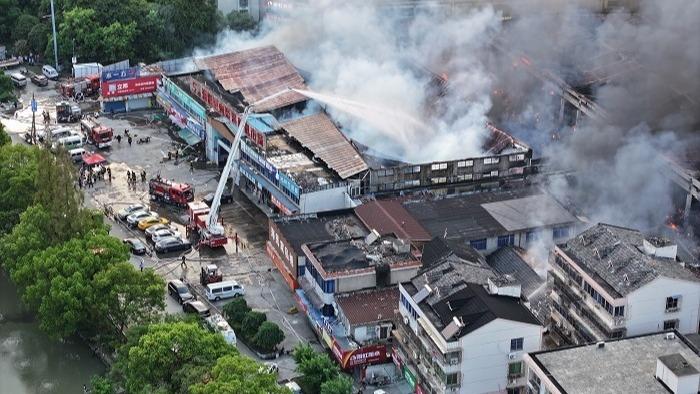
[264, 123]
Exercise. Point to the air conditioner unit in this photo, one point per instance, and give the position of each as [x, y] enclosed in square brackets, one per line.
[511, 356]
[405, 320]
[512, 381]
[454, 361]
[670, 336]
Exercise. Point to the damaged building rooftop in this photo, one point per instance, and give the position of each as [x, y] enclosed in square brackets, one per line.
[623, 259]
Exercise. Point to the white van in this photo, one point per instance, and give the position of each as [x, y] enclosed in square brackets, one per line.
[19, 80]
[72, 142]
[76, 154]
[62, 132]
[225, 289]
[49, 72]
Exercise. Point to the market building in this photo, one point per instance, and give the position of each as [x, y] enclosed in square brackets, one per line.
[128, 90]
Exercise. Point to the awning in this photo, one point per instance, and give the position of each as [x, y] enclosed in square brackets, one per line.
[189, 137]
[92, 159]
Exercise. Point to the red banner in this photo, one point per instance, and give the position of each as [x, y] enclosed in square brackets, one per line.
[362, 356]
[130, 86]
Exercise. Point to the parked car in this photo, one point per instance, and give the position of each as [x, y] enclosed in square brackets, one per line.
[156, 227]
[150, 221]
[172, 244]
[179, 291]
[137, 247]
[133, 208]
[226, 289]
[217, 323]
[269, 367]
[197, 307]
[134, 219]
[226, 198]
[164, 233]
[49, 72]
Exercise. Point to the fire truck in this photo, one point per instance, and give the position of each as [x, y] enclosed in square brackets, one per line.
[163, 190]
[81, 87]
[67, 113]
[97, 134]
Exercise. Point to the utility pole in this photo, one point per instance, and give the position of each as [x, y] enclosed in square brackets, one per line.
[33, 132]
[53, 27]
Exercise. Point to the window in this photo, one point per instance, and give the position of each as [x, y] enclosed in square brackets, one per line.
[441, 179]
[515, 369]
[516, 344]
[597, 297]
[227, 288]
[384, 332]
[505, 240]
[619, 311]
[672, 303]
[329, 286]
[518, 157]
[532, 236]
[243, 4]
[560, 232]
[438, 166]
[478, 244]
[465, 163]
[492, 160]
[406, 304]
[465, 177]
[452, 379]
[670, 324]
[414, 182]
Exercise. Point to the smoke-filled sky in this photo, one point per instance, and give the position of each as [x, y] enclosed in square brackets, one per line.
[366, 64]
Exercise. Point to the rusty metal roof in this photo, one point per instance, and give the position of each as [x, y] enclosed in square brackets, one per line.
[257, 73]
[372, 306]
[390, 217]
[318, 134]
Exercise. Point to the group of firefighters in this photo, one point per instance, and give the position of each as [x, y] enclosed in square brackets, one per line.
[88, 176]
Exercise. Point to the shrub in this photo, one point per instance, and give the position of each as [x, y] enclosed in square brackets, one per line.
[252, 321]
[269, 335]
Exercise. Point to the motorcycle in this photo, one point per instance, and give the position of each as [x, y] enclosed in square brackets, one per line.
[143, 140]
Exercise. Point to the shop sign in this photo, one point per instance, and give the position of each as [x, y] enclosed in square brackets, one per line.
[279, 205]
[130, 86]
[337, 351]
[395, 357]
[289, 184]
[184, 99]
[364, 355]
[327, 338]
[114, 75]
[409, 377]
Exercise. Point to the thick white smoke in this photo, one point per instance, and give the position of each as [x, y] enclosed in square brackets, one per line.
[358, 52]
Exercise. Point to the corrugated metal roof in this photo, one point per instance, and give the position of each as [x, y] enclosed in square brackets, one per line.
[257, 73]
[390, 217]
[318, 134]
[372, 306]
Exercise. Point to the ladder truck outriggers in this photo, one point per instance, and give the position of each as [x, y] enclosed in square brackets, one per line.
[204, 220]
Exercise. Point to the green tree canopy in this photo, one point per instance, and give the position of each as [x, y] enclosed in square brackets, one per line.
[341, 384]
[23, 25]
[238, 374]
[7, 89]
[317, 368]
[37, 37]
[18, 170]
[240, 21]
[235, 312]
[269, 335]
[4, 137]
[251, 323]
[164, 353]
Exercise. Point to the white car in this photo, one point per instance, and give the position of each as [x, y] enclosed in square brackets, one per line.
[218, 324]
[159, 235]
[137, 216]
[130, 210]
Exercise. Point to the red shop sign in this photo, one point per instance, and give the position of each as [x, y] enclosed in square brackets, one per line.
[363, 356]
[130, 86]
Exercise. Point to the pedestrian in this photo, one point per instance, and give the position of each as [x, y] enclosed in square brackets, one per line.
[109, 172]
[119, 139]
[80, 182]
[128, 177]
[143, 176]
[141, 265]
[126, 132]
[129, 141]
[191, 167]
[176, 153]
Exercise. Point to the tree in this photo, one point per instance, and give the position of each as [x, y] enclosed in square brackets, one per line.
[269, 335]
[10, 13]
[235, 311]
[4, 138]
[21, 47]
[341, 384]
[101, 385]
[23, 25]
[156, 360]
[240, 21]
[7, 89]
[251, 323]
[125, 296]
[238, 374]
[37, 37]
[18, 169]
[317, 368]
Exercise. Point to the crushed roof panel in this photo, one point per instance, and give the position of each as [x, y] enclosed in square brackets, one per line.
[519, 214]
[257, 73]
[509, 261]
[327, 227]
[318, 134]
[612, 256]
[389, 217]
[365, 307]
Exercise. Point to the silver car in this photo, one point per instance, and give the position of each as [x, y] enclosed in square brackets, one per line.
[164, 233]
[156, 227]
[137, 216]
[131, 209]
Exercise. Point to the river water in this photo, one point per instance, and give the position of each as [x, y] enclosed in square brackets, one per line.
[31, 362]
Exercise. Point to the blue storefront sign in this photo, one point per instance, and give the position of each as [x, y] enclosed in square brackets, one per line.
[127, 73]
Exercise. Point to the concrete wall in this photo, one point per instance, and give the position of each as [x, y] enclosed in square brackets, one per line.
[324, 200]
[485, 354]
[646, 307]
[356, 282]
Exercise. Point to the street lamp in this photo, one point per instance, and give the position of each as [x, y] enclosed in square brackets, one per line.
[53, 27]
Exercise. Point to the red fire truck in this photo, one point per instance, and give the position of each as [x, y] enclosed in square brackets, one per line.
[198, 214]
[170, 192]
[97, 134]
[81, 87]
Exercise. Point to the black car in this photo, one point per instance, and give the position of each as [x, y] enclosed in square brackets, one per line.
[172, 244]
[197, 307]
[137, 247]
[179, 291]
[226, 198]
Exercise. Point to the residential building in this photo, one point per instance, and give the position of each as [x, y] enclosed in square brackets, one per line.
[490, 220]
[349, 265]
[388, 217]
[369, 315]
[654, 363]
[612, 282]
[288, 233]
[252, 7]
[460, 336]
